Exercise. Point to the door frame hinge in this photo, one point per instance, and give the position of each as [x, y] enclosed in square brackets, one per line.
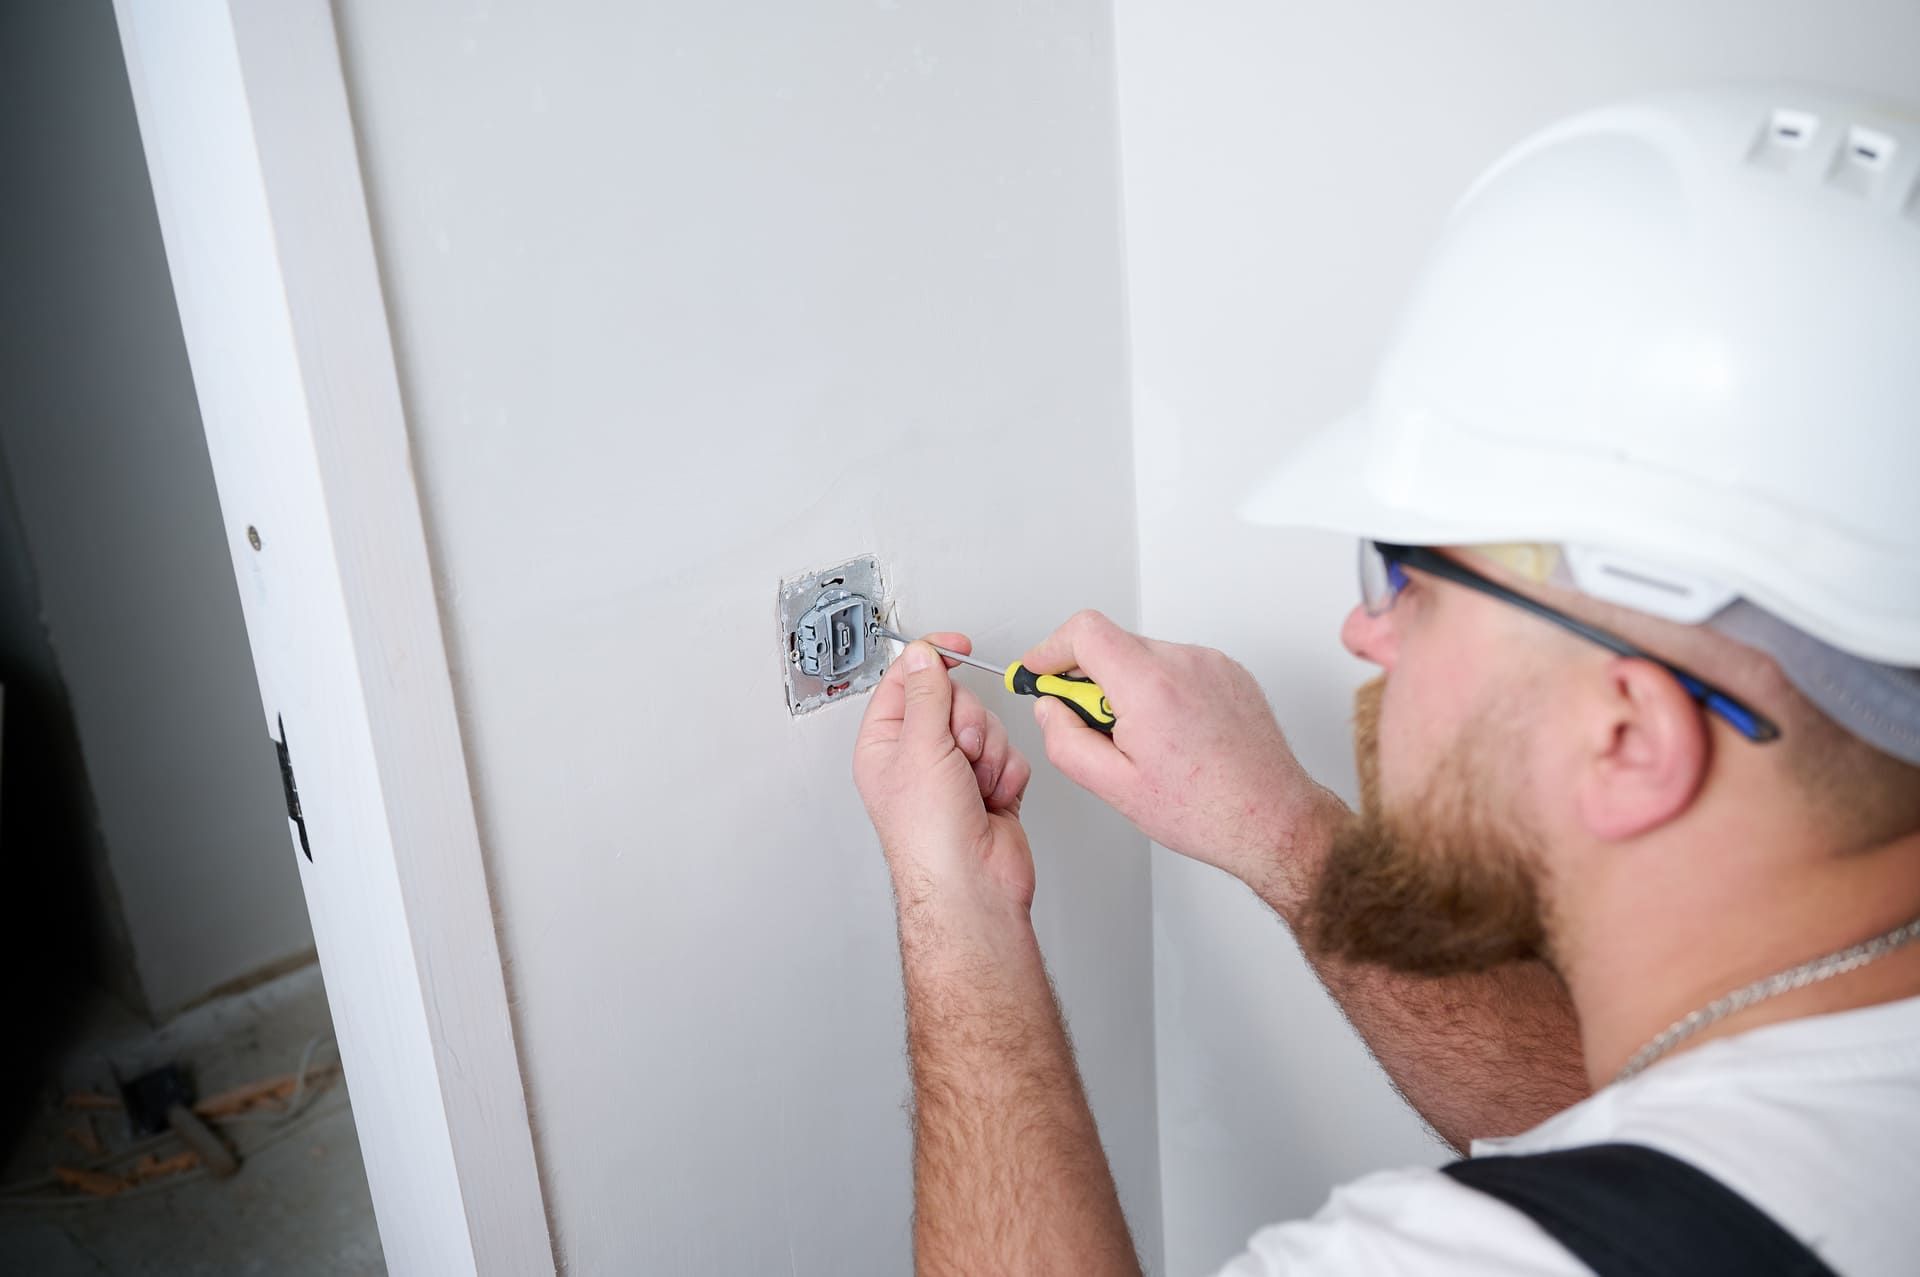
[292, 790]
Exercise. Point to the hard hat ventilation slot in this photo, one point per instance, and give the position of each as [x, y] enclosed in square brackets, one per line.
[1861, 162]
[1644, 581]
[1786, 135]
[1793, 128]
[1649, 587]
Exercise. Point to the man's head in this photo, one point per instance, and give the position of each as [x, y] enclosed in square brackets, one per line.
[1508, 765]
[1598, 357]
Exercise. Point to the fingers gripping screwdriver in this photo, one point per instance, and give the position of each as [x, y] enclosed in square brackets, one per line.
[1082, 695]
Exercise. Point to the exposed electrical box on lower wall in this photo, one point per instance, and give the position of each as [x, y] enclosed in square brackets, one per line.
[829, 633]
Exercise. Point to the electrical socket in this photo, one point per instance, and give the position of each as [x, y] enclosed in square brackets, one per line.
[829, 646]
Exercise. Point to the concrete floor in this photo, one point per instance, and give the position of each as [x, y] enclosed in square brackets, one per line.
[299, 1205]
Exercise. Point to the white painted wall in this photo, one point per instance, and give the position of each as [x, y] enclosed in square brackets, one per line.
[688, 298]
[116, 505]
[1286, 167]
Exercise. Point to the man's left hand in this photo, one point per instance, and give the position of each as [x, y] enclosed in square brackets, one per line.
[943, 785]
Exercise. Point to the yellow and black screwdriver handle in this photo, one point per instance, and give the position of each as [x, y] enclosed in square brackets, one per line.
[1082, 695]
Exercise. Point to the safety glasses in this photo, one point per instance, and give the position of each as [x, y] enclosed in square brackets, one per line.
[1383, 575]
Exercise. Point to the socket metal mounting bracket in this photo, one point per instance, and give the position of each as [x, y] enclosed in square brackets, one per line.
[829, 646]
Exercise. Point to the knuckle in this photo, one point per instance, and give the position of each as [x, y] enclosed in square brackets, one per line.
[1153, 691]
[1019, 772]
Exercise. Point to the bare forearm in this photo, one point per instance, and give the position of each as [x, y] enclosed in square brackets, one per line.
[1477, 1055]
[1009, 1175]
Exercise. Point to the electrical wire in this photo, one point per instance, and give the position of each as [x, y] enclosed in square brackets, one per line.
[300, 1102]
[293, 1104]
[314, 1115]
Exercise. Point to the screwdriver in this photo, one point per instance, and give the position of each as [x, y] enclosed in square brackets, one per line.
[1082, 695]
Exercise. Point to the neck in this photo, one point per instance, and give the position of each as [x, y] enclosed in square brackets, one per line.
[1661, 940]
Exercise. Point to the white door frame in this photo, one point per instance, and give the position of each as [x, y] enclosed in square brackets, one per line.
[244, 117]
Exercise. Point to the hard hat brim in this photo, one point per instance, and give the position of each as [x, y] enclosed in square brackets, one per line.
[1340, 480]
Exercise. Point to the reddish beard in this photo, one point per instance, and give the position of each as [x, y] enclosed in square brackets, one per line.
[1441, 887]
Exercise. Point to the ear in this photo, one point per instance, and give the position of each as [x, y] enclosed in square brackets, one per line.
[1647, 751]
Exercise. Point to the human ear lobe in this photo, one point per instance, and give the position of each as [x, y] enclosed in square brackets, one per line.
[1649, 752]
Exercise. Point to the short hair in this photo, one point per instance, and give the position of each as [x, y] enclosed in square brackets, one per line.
[1865, 796]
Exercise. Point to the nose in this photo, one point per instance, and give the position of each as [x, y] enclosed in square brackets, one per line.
[1371, 638]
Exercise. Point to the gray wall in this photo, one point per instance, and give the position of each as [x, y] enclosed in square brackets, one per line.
[689, 297]
[1286, 167]
[116, 508]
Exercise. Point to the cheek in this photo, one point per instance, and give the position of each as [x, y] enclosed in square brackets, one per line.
[1424, 708]
[1403, 754]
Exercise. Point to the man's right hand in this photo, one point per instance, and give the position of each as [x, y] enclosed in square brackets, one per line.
[1196, 760]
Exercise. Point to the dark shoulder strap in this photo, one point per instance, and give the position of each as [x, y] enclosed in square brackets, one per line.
[1626, 1210]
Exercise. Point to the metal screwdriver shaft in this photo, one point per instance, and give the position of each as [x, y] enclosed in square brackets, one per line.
[1081, 695]
[974, 661]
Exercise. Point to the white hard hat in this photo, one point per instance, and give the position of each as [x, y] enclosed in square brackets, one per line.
[1681, 337]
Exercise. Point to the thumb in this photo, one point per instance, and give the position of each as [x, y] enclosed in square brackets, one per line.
[929, 700]
[1088, 758]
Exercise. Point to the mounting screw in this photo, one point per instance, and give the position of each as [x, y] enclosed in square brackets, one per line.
[253, 536]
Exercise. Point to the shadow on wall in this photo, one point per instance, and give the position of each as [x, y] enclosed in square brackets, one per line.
[144, 844]
[53, 915]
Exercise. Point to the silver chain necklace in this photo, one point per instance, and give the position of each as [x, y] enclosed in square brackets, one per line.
[1799, 977]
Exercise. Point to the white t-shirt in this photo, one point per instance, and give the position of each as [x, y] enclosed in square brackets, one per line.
[1816, 1121]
